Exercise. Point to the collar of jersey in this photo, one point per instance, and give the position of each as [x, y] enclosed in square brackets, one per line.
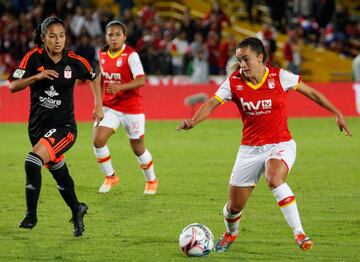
[112, 56]
[261, 82]
[46, 58]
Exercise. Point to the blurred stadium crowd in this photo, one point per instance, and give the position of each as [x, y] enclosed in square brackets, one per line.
[192, 46]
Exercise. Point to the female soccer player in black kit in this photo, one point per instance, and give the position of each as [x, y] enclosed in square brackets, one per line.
[51, 72]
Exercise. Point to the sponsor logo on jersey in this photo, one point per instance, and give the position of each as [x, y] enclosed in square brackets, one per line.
[119, 62]
[18, 73]
[111, 76]
[102, 61]
[67, 72]
[261, 107]
[51, 92]
[48, 101]
[271, 83]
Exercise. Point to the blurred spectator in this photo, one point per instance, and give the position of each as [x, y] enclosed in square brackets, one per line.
[89, 23]
[277, 13]
[268, 36]
[292, 54]
[356, 68]
[86, 49]
[179, 46]
[105, 16]
[125, 5]
[188, 25]
[227, 49]
[324, 10]
[198, 68]
[212, 43]
[249, 6]
[215, 20]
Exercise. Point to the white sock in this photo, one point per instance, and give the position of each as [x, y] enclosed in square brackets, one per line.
[231, 221]
[286, 201]
[104, 159]
[147, 166]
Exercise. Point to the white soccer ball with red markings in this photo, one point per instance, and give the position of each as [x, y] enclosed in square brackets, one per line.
[196, 240]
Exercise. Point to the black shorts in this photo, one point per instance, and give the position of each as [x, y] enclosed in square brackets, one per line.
[57, 141]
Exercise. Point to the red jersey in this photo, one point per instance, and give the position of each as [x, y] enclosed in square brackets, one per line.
[117, 69]
[263, 107]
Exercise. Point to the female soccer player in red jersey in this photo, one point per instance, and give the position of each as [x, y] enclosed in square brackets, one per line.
[122, 76]
[51, 72]
[260, 94]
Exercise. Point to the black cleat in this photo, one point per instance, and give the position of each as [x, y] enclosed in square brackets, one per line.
[29, 221]
[77, 220]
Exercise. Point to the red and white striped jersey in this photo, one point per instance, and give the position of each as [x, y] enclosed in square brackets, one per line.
[117, 69]
[263, 107]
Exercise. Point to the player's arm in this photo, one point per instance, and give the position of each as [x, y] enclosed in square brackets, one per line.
[203, 112]
[20, 84]
[98, 113]
[135, 83]
[321, 100]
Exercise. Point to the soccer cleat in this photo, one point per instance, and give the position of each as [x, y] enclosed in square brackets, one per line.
[304, 242]
[78, 220]
[151, 187]
[224, 242]
[109, 182]
[29, 221]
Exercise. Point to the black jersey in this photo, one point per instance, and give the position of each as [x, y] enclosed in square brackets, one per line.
[52, 101]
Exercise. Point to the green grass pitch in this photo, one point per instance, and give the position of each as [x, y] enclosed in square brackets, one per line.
[193, 168]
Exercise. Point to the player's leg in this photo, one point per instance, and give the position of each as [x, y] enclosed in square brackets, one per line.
[245, 175]
[135, 129]
[238, 196]
[57, 143]
[102, 133]
[33, 163]
[277, 166]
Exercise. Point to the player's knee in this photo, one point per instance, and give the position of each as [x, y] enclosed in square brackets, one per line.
[99, 142]
[274, 180]
[233, 208]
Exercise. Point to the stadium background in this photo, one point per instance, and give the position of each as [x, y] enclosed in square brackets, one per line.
[317, 39]
[193, 166]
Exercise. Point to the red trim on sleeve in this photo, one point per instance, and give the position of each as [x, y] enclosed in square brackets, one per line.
[81, 59]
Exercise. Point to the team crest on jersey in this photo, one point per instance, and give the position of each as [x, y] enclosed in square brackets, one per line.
[271, 83]
[67, 72]
[119, 62]
[239, 87]
[102, 61]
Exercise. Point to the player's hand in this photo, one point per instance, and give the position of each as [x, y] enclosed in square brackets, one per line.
[47, 74]
[340, 121]
[113, 89]
[186, 125]
[98, 115]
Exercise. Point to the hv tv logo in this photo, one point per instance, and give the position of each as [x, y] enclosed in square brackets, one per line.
[259, 105]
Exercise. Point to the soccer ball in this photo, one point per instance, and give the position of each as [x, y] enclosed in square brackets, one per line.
[196, 240]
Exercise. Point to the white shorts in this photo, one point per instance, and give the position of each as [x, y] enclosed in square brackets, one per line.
[134, 124]
[251, 160]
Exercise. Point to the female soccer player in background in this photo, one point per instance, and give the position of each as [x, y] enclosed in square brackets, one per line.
[51, 72]
[260, 95]
[121, 76]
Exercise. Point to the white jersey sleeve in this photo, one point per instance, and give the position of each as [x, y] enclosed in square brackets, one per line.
[223, 94]
[135, 65]
[288, 80]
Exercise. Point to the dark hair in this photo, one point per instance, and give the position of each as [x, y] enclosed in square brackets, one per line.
[255, 45]
[43, 28]
[116, 23]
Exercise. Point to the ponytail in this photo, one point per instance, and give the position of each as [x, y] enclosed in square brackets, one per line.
[37, 37]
